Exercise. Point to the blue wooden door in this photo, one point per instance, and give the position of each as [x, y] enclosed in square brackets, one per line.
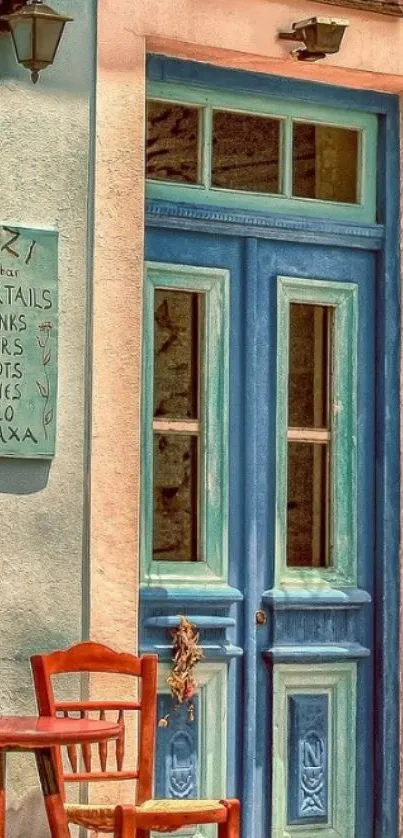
[287, 624]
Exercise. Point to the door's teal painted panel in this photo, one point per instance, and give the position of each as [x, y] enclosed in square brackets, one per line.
[314, 750]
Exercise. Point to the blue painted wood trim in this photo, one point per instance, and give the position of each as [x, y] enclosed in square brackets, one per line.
[289, 598]
[211, 651]
[160, 68]
[315, 653]
[387, 568]
[277, 227]
[251, 804]
[224, 595]
[199, 620]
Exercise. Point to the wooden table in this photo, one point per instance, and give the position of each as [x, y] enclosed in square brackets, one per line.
[41, 734]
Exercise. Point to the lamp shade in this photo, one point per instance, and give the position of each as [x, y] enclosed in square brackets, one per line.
[36, 30]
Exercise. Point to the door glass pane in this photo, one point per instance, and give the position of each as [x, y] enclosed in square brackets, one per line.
[175, 532]
[325, 162]
[307, 506]
[246, 152]
[309, 365]
[177, 323]
[172, 150]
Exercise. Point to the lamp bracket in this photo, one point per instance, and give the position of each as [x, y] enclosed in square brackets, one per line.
[295, 35]
[321, 36]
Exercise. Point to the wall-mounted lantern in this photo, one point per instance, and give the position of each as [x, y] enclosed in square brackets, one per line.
[36, 30]
[321, 36]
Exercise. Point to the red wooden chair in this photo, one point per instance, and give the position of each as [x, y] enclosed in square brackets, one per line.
[146, 813]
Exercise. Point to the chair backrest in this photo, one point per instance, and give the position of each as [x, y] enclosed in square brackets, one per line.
[93, 657]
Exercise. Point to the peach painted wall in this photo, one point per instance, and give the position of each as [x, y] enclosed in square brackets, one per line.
[232, 33]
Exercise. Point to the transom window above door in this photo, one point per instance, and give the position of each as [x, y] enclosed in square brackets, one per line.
[259, 154]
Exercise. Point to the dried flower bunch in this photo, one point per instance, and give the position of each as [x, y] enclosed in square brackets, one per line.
[187, 653]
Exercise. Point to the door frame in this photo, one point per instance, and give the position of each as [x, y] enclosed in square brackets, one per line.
[384, 238]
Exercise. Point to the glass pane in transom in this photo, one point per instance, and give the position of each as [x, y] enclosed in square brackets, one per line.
[246, 152]
[325, 162]
[172, 149]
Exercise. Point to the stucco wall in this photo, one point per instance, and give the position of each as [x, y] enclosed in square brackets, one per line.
[44, 169]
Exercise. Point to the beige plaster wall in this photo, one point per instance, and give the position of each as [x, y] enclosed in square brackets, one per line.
[44, 164]
[244, 34]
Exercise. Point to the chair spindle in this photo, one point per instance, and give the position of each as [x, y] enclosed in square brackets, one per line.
[103, 746]
[120, 743]
[71, 750]
[86, 749]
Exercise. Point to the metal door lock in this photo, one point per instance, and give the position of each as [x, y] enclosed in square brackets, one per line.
[260, 618]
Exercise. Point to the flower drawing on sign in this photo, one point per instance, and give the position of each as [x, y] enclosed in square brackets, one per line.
[44, 385]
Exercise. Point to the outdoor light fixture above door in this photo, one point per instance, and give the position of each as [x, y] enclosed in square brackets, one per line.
[36, 30]
[321, 36]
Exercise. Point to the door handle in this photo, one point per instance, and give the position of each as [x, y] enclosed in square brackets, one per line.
[260, 618]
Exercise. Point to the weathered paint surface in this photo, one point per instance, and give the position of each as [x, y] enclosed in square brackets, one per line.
[214, 284]
[343, 298]
[240, 34]
[232, 33]
[286, 111]
[44, 171]
[43, 530]
[317, 707]
[236, 34]
[310, 629]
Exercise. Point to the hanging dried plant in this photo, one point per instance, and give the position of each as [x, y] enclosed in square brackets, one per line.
[187, 653]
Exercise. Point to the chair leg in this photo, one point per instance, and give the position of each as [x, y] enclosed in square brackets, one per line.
[125, 822]
[231, 827]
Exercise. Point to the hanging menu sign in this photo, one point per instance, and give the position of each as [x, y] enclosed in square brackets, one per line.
[28, 342]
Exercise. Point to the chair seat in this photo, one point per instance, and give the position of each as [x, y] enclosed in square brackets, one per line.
[148, 814]
[178, 806]
[93, 817]
[168, 815]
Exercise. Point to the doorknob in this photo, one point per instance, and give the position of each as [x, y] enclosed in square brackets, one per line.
[260, 618]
